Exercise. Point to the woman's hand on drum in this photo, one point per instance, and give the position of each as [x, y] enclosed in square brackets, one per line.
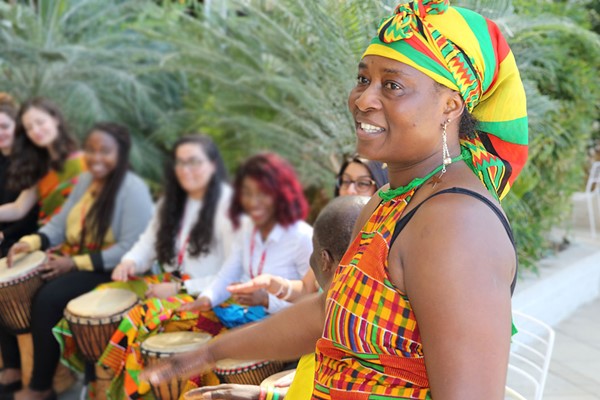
[183, 365]
[272, 284]
[228, 392]
[258, 298]
[17, 248]
[201, 304]
[162, 290]
[124, 271]
[56, 266]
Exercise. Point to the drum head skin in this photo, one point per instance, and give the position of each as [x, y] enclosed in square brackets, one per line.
[272, 380]
[175, 342]
[102, 303]
[229, 364]
[22, 265]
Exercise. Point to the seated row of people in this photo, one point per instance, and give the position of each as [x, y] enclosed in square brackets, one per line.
[204, 234]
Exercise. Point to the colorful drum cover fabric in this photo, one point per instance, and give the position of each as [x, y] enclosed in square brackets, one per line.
[122, 356]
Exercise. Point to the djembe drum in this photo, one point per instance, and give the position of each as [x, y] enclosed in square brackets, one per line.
[18, 285]
[166, 345]
[93, 318]
[276, 379]
[246, 372]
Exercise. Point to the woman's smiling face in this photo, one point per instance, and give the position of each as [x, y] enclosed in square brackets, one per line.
[397, 110]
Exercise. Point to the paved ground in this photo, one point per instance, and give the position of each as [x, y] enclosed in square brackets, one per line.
[575, 366]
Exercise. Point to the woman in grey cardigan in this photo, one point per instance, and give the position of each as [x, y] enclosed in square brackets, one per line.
[103, 217]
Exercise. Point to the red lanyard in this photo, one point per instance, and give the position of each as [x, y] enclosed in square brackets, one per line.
[182, 250]
[184, 243]
[261, 264]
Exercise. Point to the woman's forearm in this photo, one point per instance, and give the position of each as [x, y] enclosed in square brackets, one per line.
[19, 208]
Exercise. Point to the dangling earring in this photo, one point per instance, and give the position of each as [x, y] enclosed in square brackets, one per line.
[446, 159]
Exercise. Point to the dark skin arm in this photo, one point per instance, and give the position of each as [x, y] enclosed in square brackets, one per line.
[460, 294]
[284, 336]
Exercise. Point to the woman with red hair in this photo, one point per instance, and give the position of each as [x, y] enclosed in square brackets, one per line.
[269, 208]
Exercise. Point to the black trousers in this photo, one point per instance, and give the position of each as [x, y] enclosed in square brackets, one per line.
[47, 309]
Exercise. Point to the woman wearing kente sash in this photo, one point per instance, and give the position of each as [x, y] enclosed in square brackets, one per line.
[45, 162]
[107, 211]
[420, 305]
[190, 236]
[10, 232]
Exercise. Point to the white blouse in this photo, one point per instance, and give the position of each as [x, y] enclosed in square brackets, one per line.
[285, 252]
[202, 269]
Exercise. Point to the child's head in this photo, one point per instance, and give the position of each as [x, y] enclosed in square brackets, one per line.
[332, 234]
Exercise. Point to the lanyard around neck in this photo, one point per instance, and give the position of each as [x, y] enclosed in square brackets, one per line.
[184, 242]
[261, 263]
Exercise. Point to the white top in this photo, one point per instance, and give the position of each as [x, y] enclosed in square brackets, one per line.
[287, 253]
[202, 269]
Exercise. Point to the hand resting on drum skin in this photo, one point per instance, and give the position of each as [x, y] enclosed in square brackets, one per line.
[124, 271]
[15, 249]
[54, 267]
[183, 365]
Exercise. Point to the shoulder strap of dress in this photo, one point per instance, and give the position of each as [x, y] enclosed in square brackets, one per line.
[402, 222]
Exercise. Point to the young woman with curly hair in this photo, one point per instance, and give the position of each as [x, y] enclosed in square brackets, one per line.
[45, 162]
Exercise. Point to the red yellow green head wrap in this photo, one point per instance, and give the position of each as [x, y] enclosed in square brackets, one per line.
[466, 52]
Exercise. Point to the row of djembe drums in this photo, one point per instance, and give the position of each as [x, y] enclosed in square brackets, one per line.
[94, 317]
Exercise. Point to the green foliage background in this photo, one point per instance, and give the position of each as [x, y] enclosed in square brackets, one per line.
[274, 74]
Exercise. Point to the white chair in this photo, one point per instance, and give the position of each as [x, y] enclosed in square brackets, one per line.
[530, 354]
[592, 190]
[511, 394]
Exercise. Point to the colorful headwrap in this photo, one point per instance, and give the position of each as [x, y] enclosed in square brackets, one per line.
[466, 52]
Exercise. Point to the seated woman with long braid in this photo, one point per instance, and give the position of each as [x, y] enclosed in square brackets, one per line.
[106, 212]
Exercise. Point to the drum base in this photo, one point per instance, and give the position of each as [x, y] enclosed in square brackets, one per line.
[104, 377]
[64, 378]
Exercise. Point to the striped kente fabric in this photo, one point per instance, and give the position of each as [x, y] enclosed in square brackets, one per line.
[371, 346]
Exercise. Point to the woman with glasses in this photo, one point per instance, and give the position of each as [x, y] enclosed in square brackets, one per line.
[359, 176]
[190, 233]
[189, 236]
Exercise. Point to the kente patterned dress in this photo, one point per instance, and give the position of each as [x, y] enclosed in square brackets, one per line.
[371, 347]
